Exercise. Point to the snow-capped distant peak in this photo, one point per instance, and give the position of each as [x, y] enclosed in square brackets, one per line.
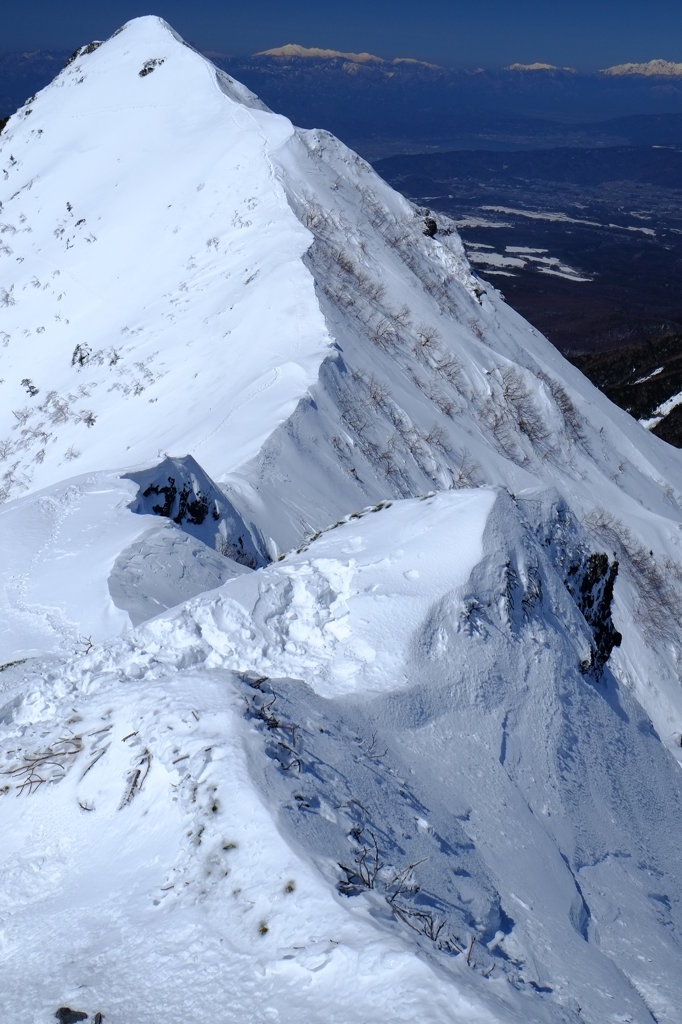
[295, 50]
[538, 66]
[317, 53]
[663, 68]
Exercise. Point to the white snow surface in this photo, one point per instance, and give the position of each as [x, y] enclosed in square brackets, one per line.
[517, 257]
[564, 218]
[177, 819]
[143, 219]
[664, 409]
[404, 769]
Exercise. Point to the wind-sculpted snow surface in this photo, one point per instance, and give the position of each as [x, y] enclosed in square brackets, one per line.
[479, 800]
[78, 566]
[418, 765]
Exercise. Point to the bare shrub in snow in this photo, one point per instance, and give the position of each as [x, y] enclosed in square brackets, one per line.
[465, 471]
[21, 416]
[534, 427]
[659, 596]
[520, 401]
[365, 874]
[402, 317]
[343, 260]
[55, 407]
[514, 390]
[313, 216]
[373, 290]
[33, 432]
[442, 401]
[504, 431]
[81, 354]
[417, 380]
[399, 418]
[354, 418]
[223, 546]
[450, 369]
[386, 458]
[437, 438]
[398, 887]
[414, 442]
[427, 340]
[477, 330]
[377, 391]
[136, 778]
[45, 766]
[394, 238]
[383, 334]
[341, 297]
[340, 444]
[573, 420]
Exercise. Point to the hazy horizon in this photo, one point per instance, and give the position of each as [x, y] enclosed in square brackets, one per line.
[492, 34]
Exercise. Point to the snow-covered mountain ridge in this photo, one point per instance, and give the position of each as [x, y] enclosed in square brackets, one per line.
[297, 52]
[662, 68]
[407, 766]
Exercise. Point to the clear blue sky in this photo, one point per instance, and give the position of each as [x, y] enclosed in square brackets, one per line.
[488, 32]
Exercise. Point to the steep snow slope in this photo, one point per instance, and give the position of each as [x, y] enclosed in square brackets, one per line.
[402, 770]
[396, 715]
[146, 247]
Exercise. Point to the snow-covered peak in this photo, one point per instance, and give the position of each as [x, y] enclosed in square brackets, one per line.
[298, 52]
[146, 245]
[539, 66]
[665, 68]
[316, 53]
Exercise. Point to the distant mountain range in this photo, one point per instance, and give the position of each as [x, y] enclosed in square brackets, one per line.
[317, 85]
[539, 67]
[653, 68]
[294, 50]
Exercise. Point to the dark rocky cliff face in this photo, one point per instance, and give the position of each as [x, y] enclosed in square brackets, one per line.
[178, 489]
[591, 583]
